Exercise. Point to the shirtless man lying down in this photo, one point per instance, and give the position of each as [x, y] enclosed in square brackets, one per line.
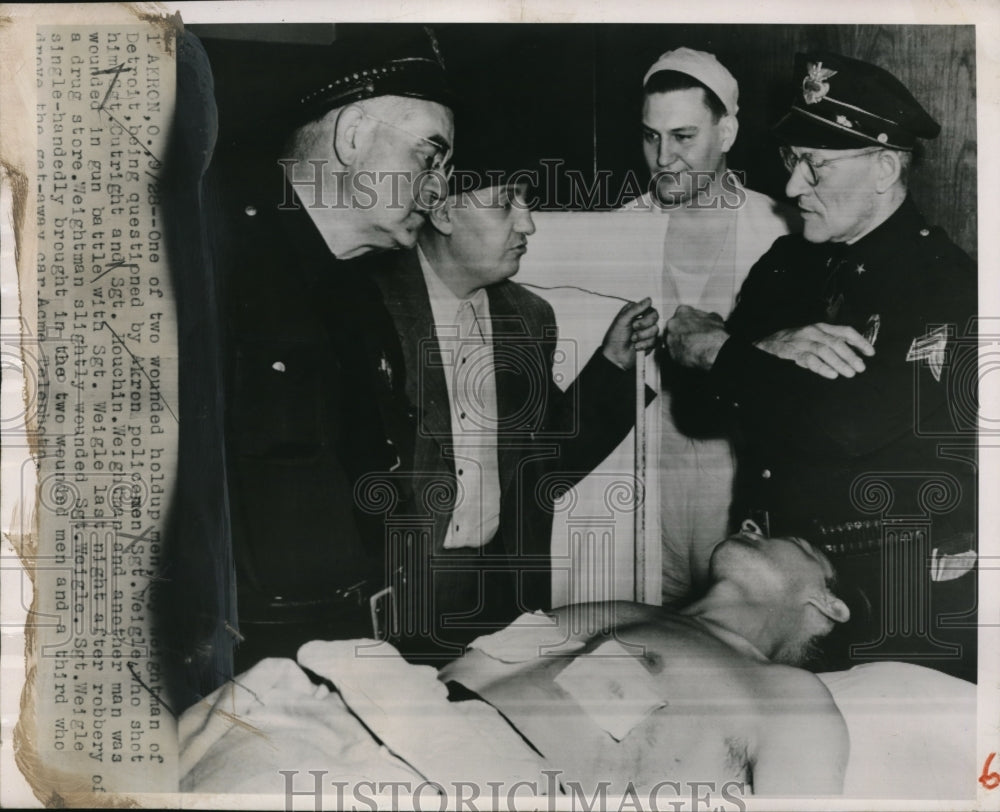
[710, 692]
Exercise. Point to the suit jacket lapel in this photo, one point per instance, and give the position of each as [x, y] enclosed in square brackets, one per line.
[511, 382]
[410, 307]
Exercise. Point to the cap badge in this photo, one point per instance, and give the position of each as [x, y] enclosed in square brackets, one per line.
[815, 86]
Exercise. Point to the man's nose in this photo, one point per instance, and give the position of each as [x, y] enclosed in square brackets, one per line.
[666, 155]
[797, 184]
[525, 223]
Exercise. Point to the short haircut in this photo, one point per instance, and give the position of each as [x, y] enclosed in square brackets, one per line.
[909, 161]
[665, 81]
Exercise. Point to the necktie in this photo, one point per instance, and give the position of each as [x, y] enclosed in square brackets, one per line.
[833, 290]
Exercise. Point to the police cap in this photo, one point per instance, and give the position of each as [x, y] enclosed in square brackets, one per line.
[352, 70]
[844, 103]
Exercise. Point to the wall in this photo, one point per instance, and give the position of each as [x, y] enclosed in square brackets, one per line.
[577, 91]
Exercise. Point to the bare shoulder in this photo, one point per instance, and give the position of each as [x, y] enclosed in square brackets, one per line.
[790, 696]
[789, 682]
[802, 742]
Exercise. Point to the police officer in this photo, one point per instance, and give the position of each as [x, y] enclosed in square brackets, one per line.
[849, 367]
[318, 427]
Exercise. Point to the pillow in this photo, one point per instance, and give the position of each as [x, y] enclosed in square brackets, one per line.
[912, 730]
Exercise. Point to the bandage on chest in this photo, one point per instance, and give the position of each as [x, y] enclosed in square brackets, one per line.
[612, 688]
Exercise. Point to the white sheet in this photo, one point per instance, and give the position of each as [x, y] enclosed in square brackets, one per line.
[273, 718]
[388, 721]
[912, 730]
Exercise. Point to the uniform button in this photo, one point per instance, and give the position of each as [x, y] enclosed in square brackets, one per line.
[924, 232]
[462, 416]
[765, 474]
[250, 211]
[460, 472]
[278, 366]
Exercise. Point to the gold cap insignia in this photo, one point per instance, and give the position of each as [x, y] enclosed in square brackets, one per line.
[815, 86]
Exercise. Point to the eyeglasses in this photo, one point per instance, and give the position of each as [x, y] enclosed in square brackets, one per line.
[812, 165]
[439, 161]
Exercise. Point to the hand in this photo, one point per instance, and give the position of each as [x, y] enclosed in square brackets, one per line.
[633, 330]
[829, 350]
[695, 337]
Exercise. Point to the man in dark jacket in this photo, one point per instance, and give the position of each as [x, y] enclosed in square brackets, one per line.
[497, 439]
[849, 365]
[314, 378]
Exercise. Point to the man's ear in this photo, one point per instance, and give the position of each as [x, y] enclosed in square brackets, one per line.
[346, 133]
[831, 606]
[729, 126]
[889, 170]
[750, 526]
[440, 216]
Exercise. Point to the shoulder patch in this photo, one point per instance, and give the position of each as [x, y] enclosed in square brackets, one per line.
[930, 348]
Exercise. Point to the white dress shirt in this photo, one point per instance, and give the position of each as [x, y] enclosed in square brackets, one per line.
[465, 337]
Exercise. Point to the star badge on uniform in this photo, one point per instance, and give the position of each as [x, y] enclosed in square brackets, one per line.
[860, 269]
[930, 348]
[815, 85]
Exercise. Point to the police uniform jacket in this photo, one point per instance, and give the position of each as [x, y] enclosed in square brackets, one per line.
[895, 441]
[315, 403]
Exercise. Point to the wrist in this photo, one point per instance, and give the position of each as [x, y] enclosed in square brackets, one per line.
[623, 360]
[713, 344]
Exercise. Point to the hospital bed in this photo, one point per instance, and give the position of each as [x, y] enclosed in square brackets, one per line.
[368, 720]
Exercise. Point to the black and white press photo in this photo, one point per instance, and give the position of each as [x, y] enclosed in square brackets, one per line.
[461, 409]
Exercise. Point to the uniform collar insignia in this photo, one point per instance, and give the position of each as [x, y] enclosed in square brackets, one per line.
[815, 86]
